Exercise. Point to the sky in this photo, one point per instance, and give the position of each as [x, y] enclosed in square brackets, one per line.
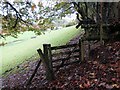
[51, 2]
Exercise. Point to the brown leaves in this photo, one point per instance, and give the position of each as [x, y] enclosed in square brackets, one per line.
[91, 74]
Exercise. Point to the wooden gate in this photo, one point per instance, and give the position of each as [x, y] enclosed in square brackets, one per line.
[65, 55]
[57, 57]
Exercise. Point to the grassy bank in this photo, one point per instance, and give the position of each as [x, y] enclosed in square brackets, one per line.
[17, 52]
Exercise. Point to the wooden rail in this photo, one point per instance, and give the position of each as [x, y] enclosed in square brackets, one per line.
[66, 52]
[63, 59]
[75, 48]
[63, 46]
[66, 64]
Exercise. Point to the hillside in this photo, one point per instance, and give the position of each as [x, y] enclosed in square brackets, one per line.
[24, 47]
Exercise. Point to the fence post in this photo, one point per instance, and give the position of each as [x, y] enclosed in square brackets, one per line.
[89, 44]
[81, 49]
[48, 61]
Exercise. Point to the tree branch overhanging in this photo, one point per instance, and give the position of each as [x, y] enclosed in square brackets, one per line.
[18, 15]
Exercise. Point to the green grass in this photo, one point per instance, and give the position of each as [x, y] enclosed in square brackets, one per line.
[26, 35]
[14, 54]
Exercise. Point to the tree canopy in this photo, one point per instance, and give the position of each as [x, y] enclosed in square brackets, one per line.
[22, 16]
[28, 16]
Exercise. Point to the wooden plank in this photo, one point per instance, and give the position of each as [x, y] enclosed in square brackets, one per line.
[66, 52]
[68, 57]
[63, 46]
[79, 49]
[63, 59]
[35, 71]
[66, 64]
[82, 49]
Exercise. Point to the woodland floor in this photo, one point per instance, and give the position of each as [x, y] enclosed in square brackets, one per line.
[100, 71]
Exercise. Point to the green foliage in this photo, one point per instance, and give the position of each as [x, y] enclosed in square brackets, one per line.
[64, 8]
[21, 17]
[28, 14]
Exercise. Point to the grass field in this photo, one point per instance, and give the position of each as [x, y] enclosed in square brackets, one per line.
[15, 53]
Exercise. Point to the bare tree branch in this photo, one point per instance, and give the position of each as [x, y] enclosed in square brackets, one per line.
[18, 16]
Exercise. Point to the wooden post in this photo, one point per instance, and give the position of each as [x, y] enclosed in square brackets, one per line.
[35, 71]
[101, 25]
[101, 32]
[81, 49]
[48, 61]
[89, 44]
[86, 32]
